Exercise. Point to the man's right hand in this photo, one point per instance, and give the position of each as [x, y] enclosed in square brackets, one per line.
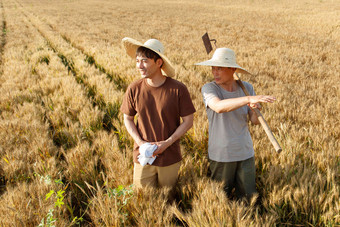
[260, 99]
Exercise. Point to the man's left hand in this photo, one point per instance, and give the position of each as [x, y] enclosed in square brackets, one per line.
[255, 106]
[161, 147]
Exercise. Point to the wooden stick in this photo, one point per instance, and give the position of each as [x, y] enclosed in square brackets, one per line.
[263, 122]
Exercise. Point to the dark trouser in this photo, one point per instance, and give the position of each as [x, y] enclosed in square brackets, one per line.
[239, 175]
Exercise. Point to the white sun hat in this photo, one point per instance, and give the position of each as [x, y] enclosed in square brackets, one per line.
[155, 45]
[224, 57]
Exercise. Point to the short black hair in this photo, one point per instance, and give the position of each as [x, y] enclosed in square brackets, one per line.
[147, 53]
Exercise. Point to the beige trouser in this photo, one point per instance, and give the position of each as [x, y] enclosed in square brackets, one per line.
[155, 176]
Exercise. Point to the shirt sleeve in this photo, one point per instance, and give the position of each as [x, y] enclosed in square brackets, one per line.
[209, 92]
[251, 91]
[185, 102]
[128, 104]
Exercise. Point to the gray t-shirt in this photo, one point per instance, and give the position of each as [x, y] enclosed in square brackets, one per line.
[229, 137]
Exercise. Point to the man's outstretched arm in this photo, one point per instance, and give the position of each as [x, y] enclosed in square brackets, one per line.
[227, 105]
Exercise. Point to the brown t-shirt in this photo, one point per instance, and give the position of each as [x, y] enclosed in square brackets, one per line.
[159, 110]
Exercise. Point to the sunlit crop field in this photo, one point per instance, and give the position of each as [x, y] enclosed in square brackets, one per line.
[66, 157]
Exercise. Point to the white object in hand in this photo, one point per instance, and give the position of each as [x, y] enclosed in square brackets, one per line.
[145, 153]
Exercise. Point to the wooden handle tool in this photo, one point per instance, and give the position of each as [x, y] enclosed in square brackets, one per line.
[263, 122]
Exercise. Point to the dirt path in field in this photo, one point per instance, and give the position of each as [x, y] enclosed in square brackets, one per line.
[3, 34]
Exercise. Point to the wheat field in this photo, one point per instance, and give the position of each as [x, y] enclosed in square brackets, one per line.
[66, 157]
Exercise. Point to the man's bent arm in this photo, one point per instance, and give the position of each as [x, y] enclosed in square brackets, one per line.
[132, 129]
[180, 131]
[227, 105]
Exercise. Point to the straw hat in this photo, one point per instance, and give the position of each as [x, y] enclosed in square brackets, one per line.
[224, 57]
[132, 45]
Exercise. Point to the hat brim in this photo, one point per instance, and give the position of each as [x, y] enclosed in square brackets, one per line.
[210, 62]
[131, 45]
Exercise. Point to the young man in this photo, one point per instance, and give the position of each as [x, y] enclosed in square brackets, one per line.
[230, 148]
[160, 102]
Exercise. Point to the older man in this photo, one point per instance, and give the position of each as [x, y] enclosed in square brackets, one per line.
[230, 148]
